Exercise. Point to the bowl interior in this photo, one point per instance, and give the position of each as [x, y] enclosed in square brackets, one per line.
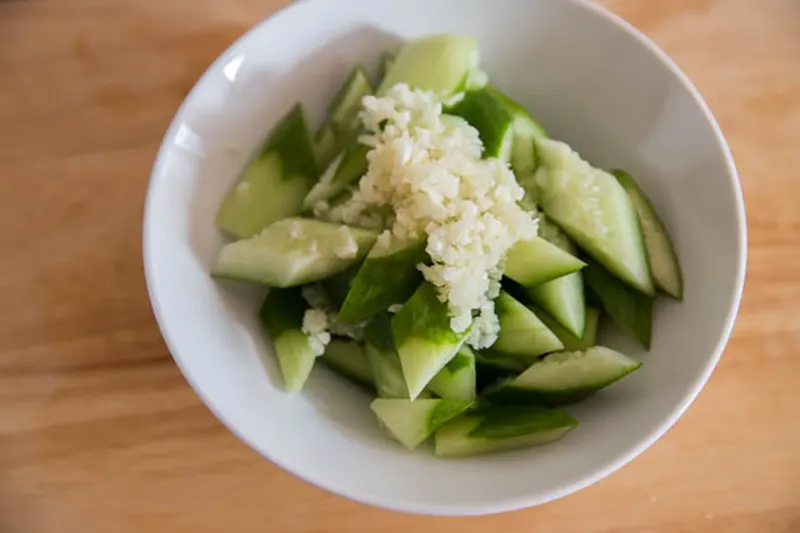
[593, 82]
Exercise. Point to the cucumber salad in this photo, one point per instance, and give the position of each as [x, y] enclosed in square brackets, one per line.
[430, 242]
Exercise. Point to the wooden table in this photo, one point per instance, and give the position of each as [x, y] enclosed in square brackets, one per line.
[99, 433]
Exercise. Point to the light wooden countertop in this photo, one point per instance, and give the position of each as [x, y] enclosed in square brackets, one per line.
[99, 433]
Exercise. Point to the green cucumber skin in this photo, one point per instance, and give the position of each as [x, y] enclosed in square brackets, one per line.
[412, 422]
[520, 390]
[297, 157]
[338, 285]
[276, 179]
[489, 116]
[387, 62]
[667, 277]
[383, 281]
[492, 428]
[384, 359]
[326, 145]
[424, 324]
[281, 316]
[446, 410]
[528, 343]
[628, 308]
[348, 359]
[457, 380]
[522, 268]
[624, 254]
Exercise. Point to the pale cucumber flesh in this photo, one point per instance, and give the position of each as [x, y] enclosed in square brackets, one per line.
[493, 428]
[274, 183]
[348, 359]
[345, 170]
[292, 252]
[438, 63]
[661, 255]
[594, 210]
[629, 309]
[567, 338]
[457, 380]
[522, 335]
[411, 422]
[536, 261]
[424, 339]
[282, 317]
[566, 377]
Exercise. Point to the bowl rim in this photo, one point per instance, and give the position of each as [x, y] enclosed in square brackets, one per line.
[521, 501]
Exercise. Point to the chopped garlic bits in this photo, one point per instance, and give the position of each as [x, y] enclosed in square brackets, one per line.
[428, 169]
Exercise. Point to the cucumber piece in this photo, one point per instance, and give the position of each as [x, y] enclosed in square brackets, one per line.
[563, 298]
[292, 252]
[347, 168]
[347, 103]
[456, 381]
[411, 422]
[489, 116]
[566, 377]
[388, 276]
[424, 339]
[570, 341]
[384, 359]
[522, 335]
[492, 428]
[438, 63]
[387, 62]
[281, 316]
[536, 261]
[491, 367]
[338, 285]
[526, 131]
[273, 184]
[593, 209]
[629, 309]
[326, 145]
[348, 359]
[660, 252]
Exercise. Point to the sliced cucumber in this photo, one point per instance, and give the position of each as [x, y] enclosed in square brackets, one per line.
[491, 367]
[347, 103]
[273, 184]
[292, 252]
[411, 422]
[570, 341]
[326, 145]
[338, 285]
[438, 63]
[384, 359]
[387, 62]
[456, 381]
[345, 169]
[388, 276]
[489, 116]
[424, 338]
[629, 309]
[492, 428]
[526, 131]
[594, 210]
[660, 252]
[348, 358]
[522, 335]
[563, 298]
[566, 377]
[536, 261]
[282, 317]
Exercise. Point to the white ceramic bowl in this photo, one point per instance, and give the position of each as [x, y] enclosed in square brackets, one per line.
[593, 81]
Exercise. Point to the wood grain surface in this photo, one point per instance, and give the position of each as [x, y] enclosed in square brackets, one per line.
[99, 433]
